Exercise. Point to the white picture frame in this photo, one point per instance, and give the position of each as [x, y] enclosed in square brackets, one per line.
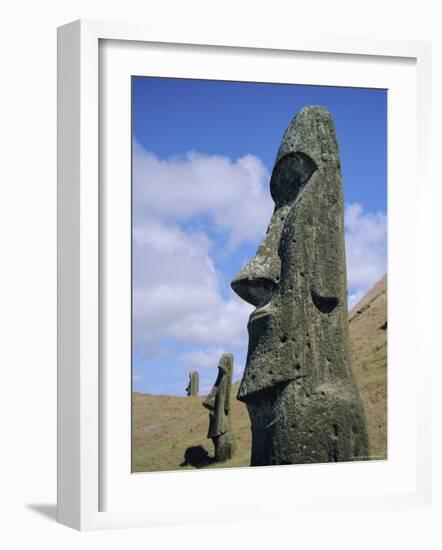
[81, 471]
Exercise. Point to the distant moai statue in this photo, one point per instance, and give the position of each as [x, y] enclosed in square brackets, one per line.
[298, 383]
[194, 384]
[218, 403]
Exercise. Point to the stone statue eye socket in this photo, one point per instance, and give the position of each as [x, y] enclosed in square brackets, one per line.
[289, 176]
[325, 304]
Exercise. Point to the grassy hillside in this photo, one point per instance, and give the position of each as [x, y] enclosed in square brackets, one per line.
[368, 331]
[166, 429]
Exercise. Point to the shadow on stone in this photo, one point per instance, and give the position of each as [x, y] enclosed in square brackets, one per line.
[197, 457]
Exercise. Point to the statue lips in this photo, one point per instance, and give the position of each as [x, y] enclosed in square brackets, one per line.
[260, 312]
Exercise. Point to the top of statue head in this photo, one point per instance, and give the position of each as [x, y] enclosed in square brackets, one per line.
[311, 132]
[226, 362]
[308, 143]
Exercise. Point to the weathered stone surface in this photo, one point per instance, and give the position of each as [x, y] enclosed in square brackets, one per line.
[194, 384]
[218, 404]
[298, 383]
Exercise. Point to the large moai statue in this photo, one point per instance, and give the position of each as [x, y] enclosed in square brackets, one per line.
[298, 383]
[218, 403]
[194, 384]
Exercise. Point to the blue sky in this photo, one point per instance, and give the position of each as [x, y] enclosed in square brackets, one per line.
[203, 152]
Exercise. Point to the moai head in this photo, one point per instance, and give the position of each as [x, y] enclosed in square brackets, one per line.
[298, 333]
[193, 385]
[225, 366]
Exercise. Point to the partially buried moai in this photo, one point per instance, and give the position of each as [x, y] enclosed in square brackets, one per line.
[194, 384]
[298, 383]
[218, 403]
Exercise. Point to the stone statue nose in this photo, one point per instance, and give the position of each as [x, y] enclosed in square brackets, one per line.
[255, 290]
[258, 279]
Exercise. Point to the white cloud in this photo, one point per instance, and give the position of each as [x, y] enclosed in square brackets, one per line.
[177, 290]
[202, 358]
[234, 193]
[366, 249]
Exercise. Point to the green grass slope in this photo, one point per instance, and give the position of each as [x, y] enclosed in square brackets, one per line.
[165, 429]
